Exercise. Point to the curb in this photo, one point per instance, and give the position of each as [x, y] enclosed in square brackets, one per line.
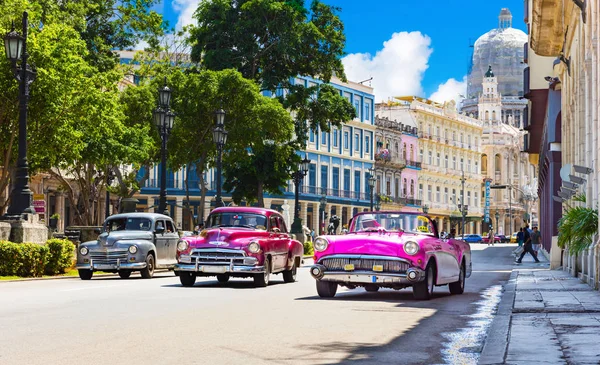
[66, 277]
[496, 343]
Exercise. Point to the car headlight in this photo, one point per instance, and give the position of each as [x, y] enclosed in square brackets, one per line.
[320, 244]
[411, 247]
[182, 245]
[132, 249]
[83, 251]
[254, 247]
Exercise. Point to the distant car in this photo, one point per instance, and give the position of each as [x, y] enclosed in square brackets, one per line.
[473, 238]
[513, 237]
[390, 250]
[130, 242]
[502, 238]
[240, 242]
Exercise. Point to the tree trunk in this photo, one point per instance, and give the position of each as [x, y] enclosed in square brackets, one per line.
[259, 194]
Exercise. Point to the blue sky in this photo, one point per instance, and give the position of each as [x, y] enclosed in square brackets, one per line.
[430, 46]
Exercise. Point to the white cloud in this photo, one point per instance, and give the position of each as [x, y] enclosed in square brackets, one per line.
[450, 90]
[397, 69]
[185, 9]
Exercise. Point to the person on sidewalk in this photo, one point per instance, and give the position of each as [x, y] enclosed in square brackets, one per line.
[520, 240]
[536, 240]
[527, 247]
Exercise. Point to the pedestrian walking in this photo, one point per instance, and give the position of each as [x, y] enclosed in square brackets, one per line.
[312, 235]
[536, 240]
[490, 238]
[520, 237]
[527, 246]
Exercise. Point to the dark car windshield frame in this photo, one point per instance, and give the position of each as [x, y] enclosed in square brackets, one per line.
[237, 220]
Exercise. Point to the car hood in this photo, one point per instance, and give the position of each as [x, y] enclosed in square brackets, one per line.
[235, 239]
[109, 239]
[371, 243]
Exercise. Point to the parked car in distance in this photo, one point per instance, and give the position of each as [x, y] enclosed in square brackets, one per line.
[130, 242]
[389, 249]
[502, 238]
[472, 238]
[485, 239]
[240, 242]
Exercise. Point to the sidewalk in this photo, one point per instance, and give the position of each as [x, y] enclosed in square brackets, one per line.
[545, 317]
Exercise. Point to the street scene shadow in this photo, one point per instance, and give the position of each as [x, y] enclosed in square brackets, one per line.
[232, 284]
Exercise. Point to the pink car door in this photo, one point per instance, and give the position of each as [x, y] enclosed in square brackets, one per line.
[277, 242]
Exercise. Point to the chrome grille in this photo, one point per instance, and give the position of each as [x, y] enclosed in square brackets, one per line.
[338, 263]
[108, 257]
[219, 257]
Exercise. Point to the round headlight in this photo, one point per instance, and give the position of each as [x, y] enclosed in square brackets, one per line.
[132, 249]
[411, 247]
[254, 247]
[320, 244]
[182, 245]
[83, 250]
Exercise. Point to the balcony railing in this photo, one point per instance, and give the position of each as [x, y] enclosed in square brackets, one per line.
[346, 194]
[415, 164]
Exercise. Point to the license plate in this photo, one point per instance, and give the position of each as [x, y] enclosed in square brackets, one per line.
[215, 269]
[378, 268]
[104, 267]
[349, 267]
[185, 259]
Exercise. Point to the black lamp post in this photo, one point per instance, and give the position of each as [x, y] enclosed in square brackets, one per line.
[372, 180]
[322, 206]
[163, 119]
[497, 215]
[220, 138]
[16, 50]
[377, 204]
[110, 177]
[425, 209]
[298, 176]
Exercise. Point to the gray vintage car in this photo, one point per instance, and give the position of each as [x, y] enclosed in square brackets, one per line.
[130, 242]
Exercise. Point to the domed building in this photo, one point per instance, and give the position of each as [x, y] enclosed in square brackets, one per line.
[501, 48]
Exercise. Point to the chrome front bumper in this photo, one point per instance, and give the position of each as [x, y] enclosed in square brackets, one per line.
[219, 269]
[412, 276]
[118, 266]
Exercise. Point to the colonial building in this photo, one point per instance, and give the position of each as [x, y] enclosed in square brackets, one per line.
[568, 32]
[449, 151]
[504, 163]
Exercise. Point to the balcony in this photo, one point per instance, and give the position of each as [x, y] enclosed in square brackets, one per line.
[383, 158]
[413, 164]
[344, 194]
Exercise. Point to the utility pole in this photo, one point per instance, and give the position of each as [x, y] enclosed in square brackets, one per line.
[463, 206]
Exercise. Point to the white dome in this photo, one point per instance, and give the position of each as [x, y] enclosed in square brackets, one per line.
[503, 49]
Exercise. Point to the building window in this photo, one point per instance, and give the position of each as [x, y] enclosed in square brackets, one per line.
[404, 187]
[437, 162]
[312, 136]
[346, 140]
[323, 138]
[476, 140]
[404, 151]
[454, 162]
[469, 165]
[476, 167]
[469, 140]
[429, 193]
[437, 131]
[430, 158]
[476, 202]
[412, 153]
[396, 187]
[437, 194]
[357, 107]
[453, 136]
[367, 110]
[388, 187]
[367, 144]
[445, 195]
[335, 138]
[462, 139]
[421, 154]
[356, 142]
[396, 150]
[462, 164]
[420, 191]
[468, 198]
[454, 196]
[324, 177]
[446, 161]
[412, 188]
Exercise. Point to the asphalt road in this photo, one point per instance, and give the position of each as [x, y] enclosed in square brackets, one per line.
[135, 321]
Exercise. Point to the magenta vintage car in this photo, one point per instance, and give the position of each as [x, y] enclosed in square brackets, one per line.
[240, 242]
[391, 250]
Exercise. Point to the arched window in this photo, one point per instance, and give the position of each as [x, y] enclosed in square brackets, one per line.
[446, 161]
[412, 188]
[494, 115]
[396, 150]
[498, 163]
[487, 115]
[404, 187]
[404, 151]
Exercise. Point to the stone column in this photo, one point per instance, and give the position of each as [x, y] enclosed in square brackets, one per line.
[178, 218]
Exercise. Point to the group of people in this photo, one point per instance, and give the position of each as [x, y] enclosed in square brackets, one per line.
[530, 240]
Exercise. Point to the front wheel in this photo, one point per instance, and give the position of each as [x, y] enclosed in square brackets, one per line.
[326, 289]
[223, 278]
[85, 274]
[148, 271]
[187, 278]
[289, 276]
[262, 280]
[371, 288]
[458, 287]
[124, 274]
[424, 290]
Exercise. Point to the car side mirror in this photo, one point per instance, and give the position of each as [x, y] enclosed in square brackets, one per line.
[444, 235]
[97, 230]
[159, 230]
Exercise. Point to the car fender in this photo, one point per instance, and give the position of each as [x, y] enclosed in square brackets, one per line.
[144, 246]
[295, 249]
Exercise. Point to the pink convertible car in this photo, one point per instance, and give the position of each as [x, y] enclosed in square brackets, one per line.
[391, 250]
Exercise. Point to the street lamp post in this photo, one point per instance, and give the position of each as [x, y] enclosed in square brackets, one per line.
[377, 203]
[163, 119]
[220, 138]
[372, 180]
[497, 215]
[110, 177]
[322, 206]
[298, 176]
[16, 50]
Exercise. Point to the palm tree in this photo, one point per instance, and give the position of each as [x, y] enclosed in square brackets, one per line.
[577, 227]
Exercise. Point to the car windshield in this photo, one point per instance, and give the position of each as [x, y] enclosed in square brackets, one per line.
[128, 224]
[391, 222]
[237, 219]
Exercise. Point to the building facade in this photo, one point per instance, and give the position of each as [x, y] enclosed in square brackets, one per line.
[568, 32]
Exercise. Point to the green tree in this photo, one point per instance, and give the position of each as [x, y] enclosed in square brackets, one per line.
[577, 227]
[272, 42]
